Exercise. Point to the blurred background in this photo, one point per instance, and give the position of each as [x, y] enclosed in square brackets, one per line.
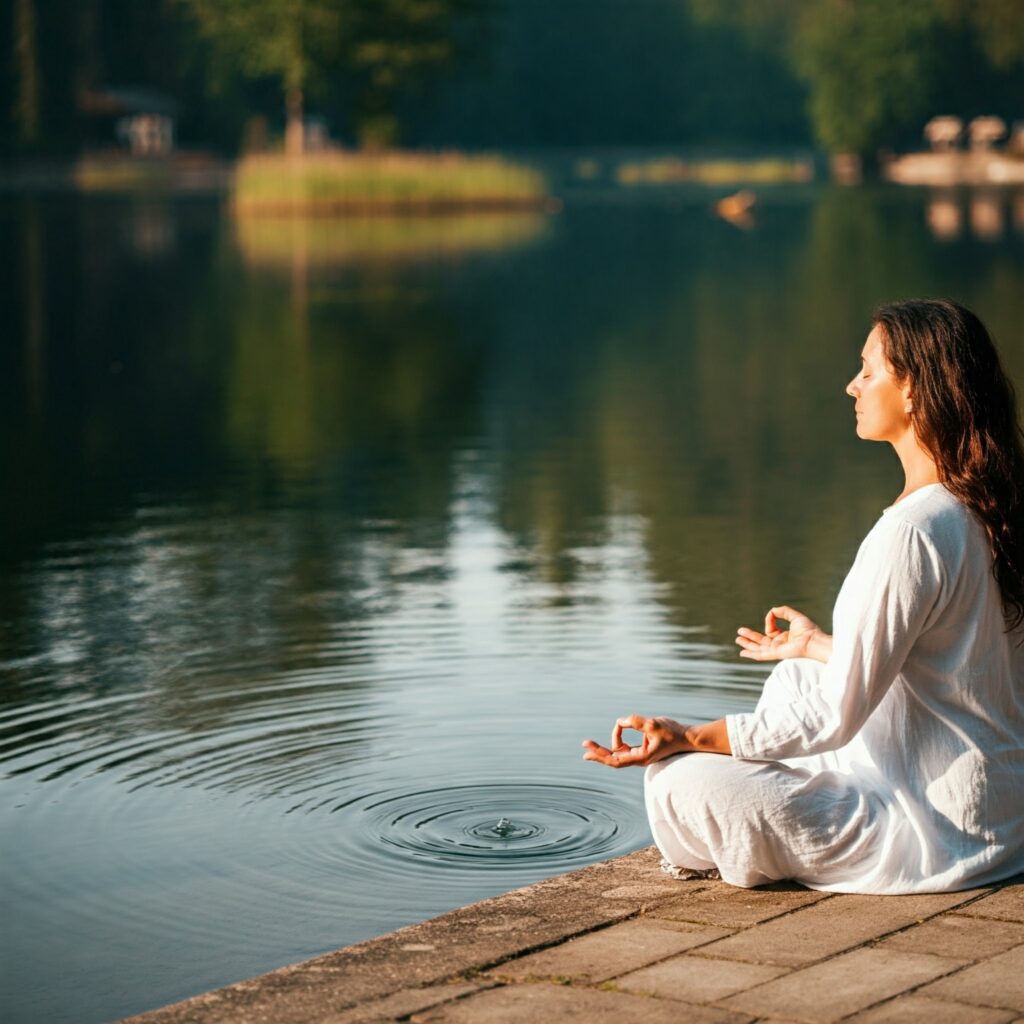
[848, 77]
[394, 392]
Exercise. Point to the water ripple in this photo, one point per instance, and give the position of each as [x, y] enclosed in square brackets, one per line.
[507, 832]
[487, 825]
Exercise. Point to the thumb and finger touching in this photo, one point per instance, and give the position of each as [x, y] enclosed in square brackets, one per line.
[621, 754]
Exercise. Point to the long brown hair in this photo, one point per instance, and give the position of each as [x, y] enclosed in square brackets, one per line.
[964, 412]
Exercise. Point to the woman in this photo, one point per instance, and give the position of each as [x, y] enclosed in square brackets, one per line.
[888, 758]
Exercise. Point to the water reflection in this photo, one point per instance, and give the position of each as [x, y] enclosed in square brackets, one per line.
[986, 216]
[281, 242]
[987, 213]
[151, 229]
[34, 310]
[322, 376]
[328, 546]
[945, 218]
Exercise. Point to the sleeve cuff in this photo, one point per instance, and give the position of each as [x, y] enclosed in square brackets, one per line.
[738, 736]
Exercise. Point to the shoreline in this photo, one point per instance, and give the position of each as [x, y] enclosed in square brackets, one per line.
[956, 169]
[283, 208]
[620, 938]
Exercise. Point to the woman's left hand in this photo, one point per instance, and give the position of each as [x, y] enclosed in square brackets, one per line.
[662, 737]
[803, 639]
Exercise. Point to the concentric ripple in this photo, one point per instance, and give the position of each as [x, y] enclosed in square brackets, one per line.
[492, 826]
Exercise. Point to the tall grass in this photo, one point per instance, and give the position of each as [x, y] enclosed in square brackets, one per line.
[364, 182]
[116, 173]
[714, 172]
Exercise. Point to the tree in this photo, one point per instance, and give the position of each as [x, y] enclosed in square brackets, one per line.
[26, 60]
[291, 40]
[868, 65]
[997, 24]
[872, 66]
[396, 47]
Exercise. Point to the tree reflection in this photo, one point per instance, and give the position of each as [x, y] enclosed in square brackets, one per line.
[243, 467]
[712, 398]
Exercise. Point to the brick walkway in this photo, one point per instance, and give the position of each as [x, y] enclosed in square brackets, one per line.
[621, 942]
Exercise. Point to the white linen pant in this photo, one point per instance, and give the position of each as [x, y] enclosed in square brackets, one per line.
[810, 819]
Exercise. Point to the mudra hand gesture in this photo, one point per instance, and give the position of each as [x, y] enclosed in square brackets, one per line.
[661, 737]
[803, 639]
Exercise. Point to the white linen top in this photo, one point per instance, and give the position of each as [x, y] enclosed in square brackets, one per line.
[922, 700]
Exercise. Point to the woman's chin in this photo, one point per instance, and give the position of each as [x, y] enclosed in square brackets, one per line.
[869, 435]
[864, 430]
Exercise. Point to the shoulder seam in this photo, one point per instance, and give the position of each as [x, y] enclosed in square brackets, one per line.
[930, 547]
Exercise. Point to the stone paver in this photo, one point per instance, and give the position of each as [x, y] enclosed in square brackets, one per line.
[729, 907]
[997, 982]
[653, 891]
[401, 1004]
[841, 986]
[829, 927]
[696, 979]
[611, 951]
[530, 1004]
[624, 942]
[919, 1010]
[1004, 905]
[472, 937]
[959, 937]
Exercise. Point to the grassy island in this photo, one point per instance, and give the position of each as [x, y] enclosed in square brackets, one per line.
[392, 182]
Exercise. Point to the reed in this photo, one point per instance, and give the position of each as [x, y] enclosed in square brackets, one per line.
[363, 182]
[714, 172]
[103, 173]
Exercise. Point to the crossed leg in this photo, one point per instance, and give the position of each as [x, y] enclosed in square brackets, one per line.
[760, 821]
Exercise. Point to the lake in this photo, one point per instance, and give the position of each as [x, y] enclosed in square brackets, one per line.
[324, 544]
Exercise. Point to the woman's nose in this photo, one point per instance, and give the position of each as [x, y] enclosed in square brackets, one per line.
[851, 388]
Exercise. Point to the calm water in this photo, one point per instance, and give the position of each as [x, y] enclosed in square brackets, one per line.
[323, 546]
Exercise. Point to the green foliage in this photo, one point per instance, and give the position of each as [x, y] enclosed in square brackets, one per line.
[767, 24]
[868, 65]
[395, 48]
[873, 67]
[387, 48]
[285, 39]
[997, 24]
[290, 40]
[609, 73]
[496, 73]
[26, 107]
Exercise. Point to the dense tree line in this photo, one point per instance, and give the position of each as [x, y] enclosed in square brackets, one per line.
[224, 61]
[850, 75]
[876, 69]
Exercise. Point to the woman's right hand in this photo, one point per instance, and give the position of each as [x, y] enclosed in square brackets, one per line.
[803, 639]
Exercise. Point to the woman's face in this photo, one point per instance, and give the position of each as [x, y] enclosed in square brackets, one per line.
[882, 403]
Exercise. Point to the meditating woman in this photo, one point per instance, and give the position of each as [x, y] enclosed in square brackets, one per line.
[889, 757]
